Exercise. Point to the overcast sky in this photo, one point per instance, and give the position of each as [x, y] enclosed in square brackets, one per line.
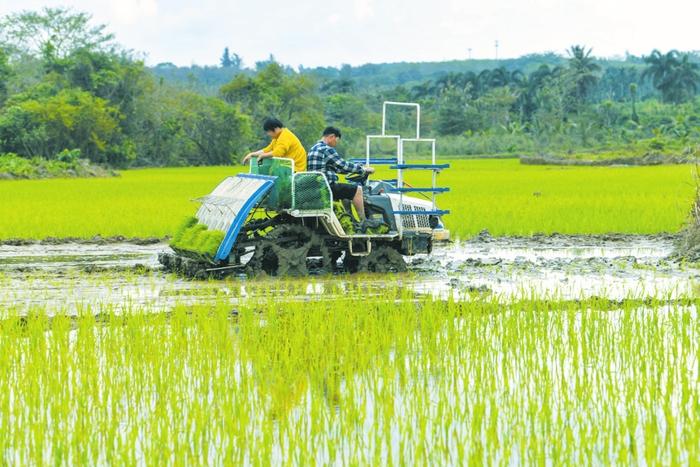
[332, 32]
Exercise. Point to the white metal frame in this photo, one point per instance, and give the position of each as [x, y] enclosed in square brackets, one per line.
[401, 104]
[432, 159]
[369, 142]
[400, 159]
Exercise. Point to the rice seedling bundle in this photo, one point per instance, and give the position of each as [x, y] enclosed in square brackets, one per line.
[195, 237]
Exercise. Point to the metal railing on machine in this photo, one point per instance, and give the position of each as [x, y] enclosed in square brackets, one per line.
[400, 164]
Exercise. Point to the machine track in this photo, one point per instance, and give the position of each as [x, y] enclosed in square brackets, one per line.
[381, 259]
[287, 250]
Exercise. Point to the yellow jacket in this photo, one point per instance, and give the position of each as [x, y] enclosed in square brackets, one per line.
[288, 145]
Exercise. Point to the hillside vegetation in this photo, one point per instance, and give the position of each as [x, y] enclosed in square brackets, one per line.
[73, 88]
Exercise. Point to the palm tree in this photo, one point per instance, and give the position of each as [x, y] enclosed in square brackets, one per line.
[483, 82]
[685, 79]
[538, 77]
[464, 82]
[675, 77]
[660, 66]
[424, 90]
[499, 77]
[529, 86]
[584, 69]
[661, 69]
[516, 78]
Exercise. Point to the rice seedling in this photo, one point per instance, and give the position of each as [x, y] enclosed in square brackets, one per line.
[194, 237]
[503, 196]
[399, 379]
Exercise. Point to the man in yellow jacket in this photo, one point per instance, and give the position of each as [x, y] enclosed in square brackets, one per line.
[284, 144]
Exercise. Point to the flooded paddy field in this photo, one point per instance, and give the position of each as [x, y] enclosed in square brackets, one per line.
[545, 350]
[71, 275]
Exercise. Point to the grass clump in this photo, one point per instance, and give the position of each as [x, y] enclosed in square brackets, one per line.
[688, 246]
[194, 237]
[67, 164]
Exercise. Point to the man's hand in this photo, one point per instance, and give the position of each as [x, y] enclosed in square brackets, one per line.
[247, 158]
[369, 170]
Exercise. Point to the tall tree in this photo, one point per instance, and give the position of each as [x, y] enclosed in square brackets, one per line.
[58, 30]
[274, 92]
[231, 60]
[452, 115]
[5, 72]
[660, 65]
[675, 77]
[226, 58]
[584, 71]
[633, 95]
[660, 69]
[686, 79]
[338, 86]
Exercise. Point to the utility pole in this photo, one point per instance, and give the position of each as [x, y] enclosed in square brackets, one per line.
[496, 43]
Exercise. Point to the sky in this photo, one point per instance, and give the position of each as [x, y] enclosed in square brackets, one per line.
[334, 32]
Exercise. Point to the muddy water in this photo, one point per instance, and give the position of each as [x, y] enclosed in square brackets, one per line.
[122, 275]
[69, 256]
[616, 267]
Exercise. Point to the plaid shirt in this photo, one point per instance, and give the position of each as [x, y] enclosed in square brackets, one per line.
[325, 159]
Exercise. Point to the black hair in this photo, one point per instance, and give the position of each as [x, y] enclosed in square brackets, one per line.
[271, 123]
[331, 130]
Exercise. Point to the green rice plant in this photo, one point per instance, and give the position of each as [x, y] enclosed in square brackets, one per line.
[508, 198]
[396, 379]
[345, 218]
[190, 237]
[503, 196]
[311, 192]
[210, 240]
[189, 222]
[195, 237]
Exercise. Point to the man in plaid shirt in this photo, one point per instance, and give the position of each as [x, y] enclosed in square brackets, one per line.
[323, 157]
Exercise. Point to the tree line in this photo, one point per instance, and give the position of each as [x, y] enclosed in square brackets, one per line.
[66, 85]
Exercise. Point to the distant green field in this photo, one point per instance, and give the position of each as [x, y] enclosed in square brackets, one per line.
[499, 195]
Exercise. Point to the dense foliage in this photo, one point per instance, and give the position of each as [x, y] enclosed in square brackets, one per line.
[75, 90]
[66, 85]
[65, 164]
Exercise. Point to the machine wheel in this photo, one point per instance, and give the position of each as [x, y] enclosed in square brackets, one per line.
[381, 259]
[284, 252]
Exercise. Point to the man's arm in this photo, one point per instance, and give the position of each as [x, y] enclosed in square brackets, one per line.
[342, 166]
[261, 153]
